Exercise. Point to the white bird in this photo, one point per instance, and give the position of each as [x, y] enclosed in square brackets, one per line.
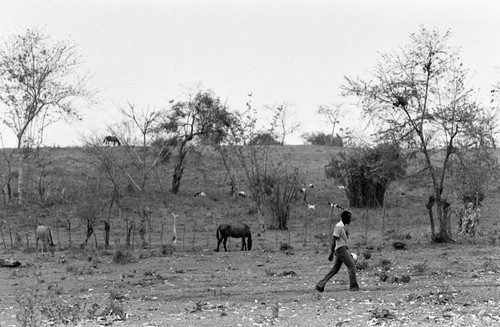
[200, 194]
[242, 194]
[311, 206]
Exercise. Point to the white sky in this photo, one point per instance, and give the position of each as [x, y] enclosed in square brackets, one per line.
[147, 52]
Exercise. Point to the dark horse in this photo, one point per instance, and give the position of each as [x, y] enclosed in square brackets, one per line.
[234, 230]
[111, 139]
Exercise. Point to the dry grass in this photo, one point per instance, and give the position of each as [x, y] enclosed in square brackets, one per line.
[188, 284]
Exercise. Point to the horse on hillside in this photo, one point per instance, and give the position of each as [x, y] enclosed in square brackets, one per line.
[111, 139]
[237, 230]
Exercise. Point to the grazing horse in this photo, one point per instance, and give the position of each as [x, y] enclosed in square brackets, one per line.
[237, 230]
[111, 139]
[44, 234]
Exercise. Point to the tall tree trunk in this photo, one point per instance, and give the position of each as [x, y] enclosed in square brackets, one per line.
[20, 178]
[176, 180]
[429, 205]
[143, 224]
[107, 229]
[444, 235]
[262, 222]
[179, 169]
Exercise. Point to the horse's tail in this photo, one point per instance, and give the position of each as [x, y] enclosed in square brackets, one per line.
[217, 234]
[249, 241]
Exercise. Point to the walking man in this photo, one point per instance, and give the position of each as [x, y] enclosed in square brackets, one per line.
[340, 254]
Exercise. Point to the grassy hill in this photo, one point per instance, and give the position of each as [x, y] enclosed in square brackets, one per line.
[61, 183]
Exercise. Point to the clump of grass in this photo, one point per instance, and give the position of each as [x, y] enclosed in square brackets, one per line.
[285, 246]
[367, 254]
[400, 279]
[398, 245]
[420, 269]
[86, 270]
[122, 257]
[385, 263]
[290, 273]
[362, 265]
[383, 276]
[490, 265]
[55, 289]
[114, 308]
[61, 312]
[275, 310]
[167, 249]
[270, 273]
[28, 314]
[382, 314]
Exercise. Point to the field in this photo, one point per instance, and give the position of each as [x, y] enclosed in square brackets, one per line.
[188, 284]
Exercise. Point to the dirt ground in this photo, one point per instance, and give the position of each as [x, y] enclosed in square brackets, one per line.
[423, 285]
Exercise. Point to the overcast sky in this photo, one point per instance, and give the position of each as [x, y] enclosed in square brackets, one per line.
[295, 52]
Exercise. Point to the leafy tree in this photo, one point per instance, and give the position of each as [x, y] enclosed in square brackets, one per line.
[264, 138]
[471, 171]
[418, 95]
[200, 118]
[321, 138]
[367, 173]
[39, 85]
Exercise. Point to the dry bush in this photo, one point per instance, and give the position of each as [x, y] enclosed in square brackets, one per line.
[420, 269]
[385, 263]
[285, 246]
[366, 253]
[362, 265]
[122, 257]
[28, 314]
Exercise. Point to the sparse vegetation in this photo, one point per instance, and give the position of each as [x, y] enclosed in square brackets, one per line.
[172, 277]
[123, 257]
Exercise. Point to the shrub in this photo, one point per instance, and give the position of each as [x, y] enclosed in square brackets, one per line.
[367, 254]
[122, 257]
[367, 174]
[285, 246]
[29, 311]
[385, 263]
[419, 268]
[264, 139]
[167, 249]
[361, 265]
[320, 138]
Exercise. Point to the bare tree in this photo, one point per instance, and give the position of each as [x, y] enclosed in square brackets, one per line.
[270, 182]
[39, 85]
[109, 165]
[333, 114]
[420, 98]
[282, 121]
[137, 131]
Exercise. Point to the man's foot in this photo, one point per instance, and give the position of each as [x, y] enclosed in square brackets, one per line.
[319, 289]
[354, 289]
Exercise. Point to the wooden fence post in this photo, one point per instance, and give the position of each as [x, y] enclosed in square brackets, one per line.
[3, 239]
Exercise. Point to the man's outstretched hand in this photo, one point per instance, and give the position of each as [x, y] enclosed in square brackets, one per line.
[330, 257]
